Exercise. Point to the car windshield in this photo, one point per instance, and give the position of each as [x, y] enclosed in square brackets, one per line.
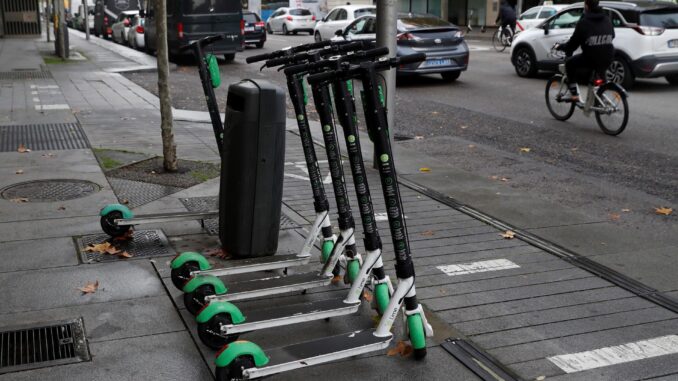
[249, 18]
[300, 12]
[364, 11]
[409, 23]
[202, 7]
[661, 18]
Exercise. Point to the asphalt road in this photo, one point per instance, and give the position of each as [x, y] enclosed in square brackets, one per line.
[480, 123]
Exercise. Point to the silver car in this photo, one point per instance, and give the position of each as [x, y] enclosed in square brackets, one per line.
[291, 20]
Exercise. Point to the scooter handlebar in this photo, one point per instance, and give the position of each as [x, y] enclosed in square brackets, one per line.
[301, 57]
[335, 61]
[203, 41]
[293, 50]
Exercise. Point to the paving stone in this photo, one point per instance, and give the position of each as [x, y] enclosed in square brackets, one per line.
[37, 254]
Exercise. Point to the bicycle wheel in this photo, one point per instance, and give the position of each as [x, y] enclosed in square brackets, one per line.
[555, 90]
[498, 41]
[615, 114]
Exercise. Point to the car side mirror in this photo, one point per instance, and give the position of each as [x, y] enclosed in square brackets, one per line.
[339, 33]
[142, 13]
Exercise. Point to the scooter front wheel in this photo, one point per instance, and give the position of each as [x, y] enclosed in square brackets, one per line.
[415, 327]
[234, 371]
[210, 332]
[381, 297]
[110, 228]
[352, 270]
[182, 274]
[195, 301]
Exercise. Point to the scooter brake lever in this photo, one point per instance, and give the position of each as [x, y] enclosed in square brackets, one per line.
[262, 67]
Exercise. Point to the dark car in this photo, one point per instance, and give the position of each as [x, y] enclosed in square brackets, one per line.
[446, 51]
[190, 20]
[255, 29]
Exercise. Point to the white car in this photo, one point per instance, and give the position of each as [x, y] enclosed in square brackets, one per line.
[291, 20]
[121, 26]
[535, 15]
[135, 35]
[339, 18]
[646, 41]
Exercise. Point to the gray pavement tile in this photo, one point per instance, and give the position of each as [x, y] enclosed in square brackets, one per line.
[452, 249]
[443, 302]
[578, 326]
[552, 315]
[170, 356]
[50, 227]
[59, 287]
[535, 304]
[668, 377]
[37, 254]
[584, 342]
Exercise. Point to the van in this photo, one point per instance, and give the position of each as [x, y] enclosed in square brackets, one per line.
[190, 20]
[107, 11]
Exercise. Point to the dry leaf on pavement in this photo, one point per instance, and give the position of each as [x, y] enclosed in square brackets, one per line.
[89, 288]
[495, 177]
[525, 149]
[418, 137]
[427, 233]
[471, 146]
[336, 279]
[615, 216]
[367, 296]
[125, 254]
[61, 208]
[508, 234]
[505, 179]
[19, 200]
[124, 201]
[663, 211]
[217, 252]
[540, 378]
[401, 349]
[112, 250]
[125, 237]
[19, 172]
[98, 248]
[22, 149]
[625, 210]
[424, 169]
[464, 127]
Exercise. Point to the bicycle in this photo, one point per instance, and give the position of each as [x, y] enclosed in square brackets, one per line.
[502, 39]
[607, 100]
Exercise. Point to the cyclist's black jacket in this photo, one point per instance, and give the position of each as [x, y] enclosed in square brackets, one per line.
[594, 33]
[507, 14]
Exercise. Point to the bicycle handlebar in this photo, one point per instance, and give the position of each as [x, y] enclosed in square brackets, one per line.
[292, 50]
[203, 41]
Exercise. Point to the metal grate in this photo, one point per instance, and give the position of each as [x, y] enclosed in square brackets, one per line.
[49, 190]
[56, 343]
[27, 74]
[204, 204]
[21, 17]
[143, 244]
[43, 137]
[138, 193]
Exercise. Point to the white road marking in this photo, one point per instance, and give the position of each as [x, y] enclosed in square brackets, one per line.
[478, 48]
[478, 267]
[618, 354]
[36, 100]
[382, 217]
[298, 177]
[52, 107]
[45, 87]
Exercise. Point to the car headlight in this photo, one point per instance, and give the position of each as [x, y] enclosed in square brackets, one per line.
[457, 34]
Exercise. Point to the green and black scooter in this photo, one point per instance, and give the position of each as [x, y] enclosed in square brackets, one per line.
[246, 360]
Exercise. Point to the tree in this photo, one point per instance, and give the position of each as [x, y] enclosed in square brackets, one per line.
[169, 147]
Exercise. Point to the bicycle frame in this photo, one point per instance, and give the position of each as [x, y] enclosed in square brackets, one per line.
[592, 97]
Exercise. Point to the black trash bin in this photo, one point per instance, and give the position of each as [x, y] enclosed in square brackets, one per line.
[252, 166]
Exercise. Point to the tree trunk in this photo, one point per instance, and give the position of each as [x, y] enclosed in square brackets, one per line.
[169, 147]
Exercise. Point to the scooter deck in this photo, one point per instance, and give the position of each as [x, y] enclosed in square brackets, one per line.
[320, 351]
[271, 286]
[243, 266]
[289, 314]
[165, 217]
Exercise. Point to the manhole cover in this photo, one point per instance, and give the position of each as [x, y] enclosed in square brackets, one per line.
[50, 344]
[50, 190]
[143, 244]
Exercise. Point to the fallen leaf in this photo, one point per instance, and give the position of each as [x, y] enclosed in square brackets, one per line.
[98, 248]
[367, 296]
[574, 149]
[505, 179]
[61, 208]
[153, 172]
[22, 149]
[407, 351]
[540, 378]
[626, 210]
[435, 112]
[663, 211]
[615, 216]
[125, 237]
[401, 349]
[124, 201]
[418, 137]
[508, 234]
[464, 127]
[19, 200]
[112, 250]
[125, 254]
[217, 252]
[427, 233]
[494, 177]
[336, 279]
[471, 146]
[19, 172]
[89, 288]
[525, 149]
[424, 169]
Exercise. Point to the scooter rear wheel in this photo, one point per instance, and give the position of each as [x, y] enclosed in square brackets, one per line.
[195, 301]
[112, 229]
[182, 274]
[210, 332]
[235, 369]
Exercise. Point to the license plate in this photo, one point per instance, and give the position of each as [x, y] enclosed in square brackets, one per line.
[673, 44]
[442, 62]
[249, 29]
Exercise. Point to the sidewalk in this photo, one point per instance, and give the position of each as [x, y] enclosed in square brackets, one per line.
[515, 299]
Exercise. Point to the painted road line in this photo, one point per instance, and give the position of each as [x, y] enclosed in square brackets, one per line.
[382, 217]
[618, 354]
[478, 267]
[52, 107]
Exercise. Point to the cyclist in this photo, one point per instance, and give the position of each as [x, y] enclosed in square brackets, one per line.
[507, 16]
[594, 33]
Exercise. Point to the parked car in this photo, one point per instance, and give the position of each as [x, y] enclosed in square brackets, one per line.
[338, 18]
[646, 41]
[121, 26]
[291, 20]
[255, 29]
[535, 15]
[446, 51]
[106, 13]
[135, 35]
[79, 21]
[190, 20]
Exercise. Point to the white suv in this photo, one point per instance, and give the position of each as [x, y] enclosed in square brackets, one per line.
[646, 41]
[339, 18]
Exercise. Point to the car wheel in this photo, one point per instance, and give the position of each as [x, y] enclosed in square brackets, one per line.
[284, 30]
[620, 73]
[268, 29]
[259, 45]
[672, 79]
[450, 76]
[317, 37]
[524, 62]
[229, 57]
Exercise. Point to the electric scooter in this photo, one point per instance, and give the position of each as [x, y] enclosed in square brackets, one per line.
[246, 360]
[202, 285]
[221, 322]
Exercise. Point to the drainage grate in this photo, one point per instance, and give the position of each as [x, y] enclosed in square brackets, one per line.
[56, 343]
[138, 193]
[143, 244]
[43, 137]
[21, 75]
[50, 190]
[204, 204]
